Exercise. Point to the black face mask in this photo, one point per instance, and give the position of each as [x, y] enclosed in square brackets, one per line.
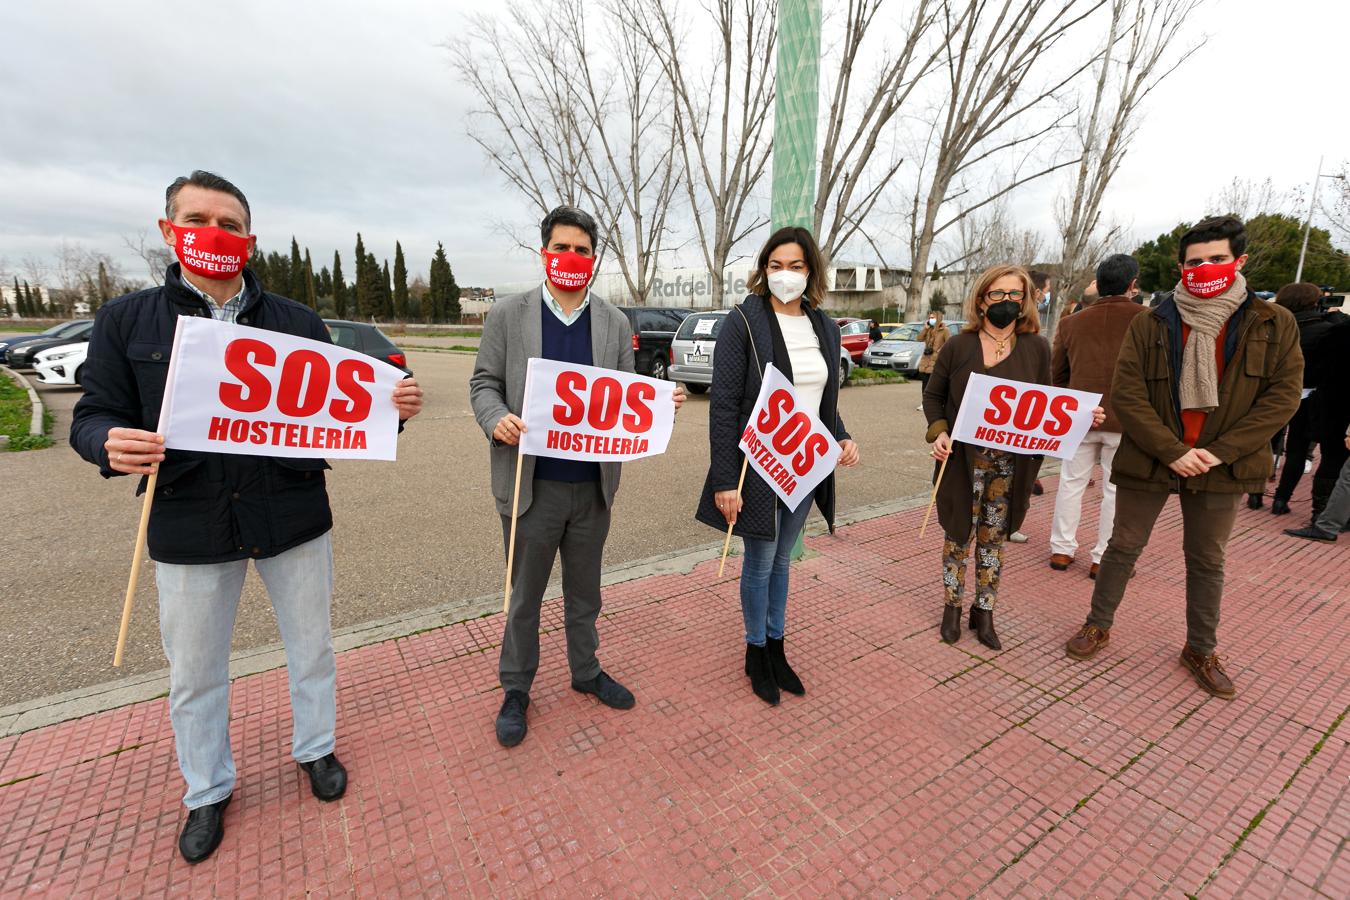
[1003, 313]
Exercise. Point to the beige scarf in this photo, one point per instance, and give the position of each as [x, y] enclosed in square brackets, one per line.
[1206, 318]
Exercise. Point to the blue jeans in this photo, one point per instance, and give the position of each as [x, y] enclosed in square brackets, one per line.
[764, 577]
[197, 606]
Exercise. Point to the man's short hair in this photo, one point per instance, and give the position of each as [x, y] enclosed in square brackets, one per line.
[1039, 279]
[1215, 228]
[568, 215]
[210, 181]
[1299, 296]
[1115, 274]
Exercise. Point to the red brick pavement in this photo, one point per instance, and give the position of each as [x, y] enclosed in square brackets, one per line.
[910, 768]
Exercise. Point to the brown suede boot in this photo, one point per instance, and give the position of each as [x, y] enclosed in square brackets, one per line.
[1208, 671]
[1088, 640]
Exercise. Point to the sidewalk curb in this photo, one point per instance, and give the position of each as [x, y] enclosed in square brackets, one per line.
[35, 422]
[87, 701]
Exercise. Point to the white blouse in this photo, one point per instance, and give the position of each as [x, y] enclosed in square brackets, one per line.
[809, 371]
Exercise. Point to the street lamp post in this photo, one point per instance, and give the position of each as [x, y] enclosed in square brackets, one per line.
[1307, 225]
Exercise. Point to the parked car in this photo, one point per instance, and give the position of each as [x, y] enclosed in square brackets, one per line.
[19, 354]
[654, 328]
[21, 339]
[902, 349]
[854, 335]
[61, 364]
[691, 353]
[366, 338]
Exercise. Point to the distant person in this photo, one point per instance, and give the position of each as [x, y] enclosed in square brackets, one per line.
[874, 332]
[1084, 358]
[213, 512]
[565, 504]
[933, 335]
[1314, 323]
[1182, 435]
[1040, 283]
[1334, 519]
[1330, 410]
[984, 492]
[780, 323]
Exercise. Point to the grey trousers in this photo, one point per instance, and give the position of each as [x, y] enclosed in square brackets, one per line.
[566, 517]
[1337, 511]
[1206, 523]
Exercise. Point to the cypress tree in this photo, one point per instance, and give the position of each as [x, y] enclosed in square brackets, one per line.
[39, 307]
[105, 288]
[296, 290]
[257, 263]
[339, 287]
[311, 294]
[443, 293]
[400, 284]
[362, 283]
[368, 288]
[325, 282]
[386, 295]
[278, 272]
[20, 304]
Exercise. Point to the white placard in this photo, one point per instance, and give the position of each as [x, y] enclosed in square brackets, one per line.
[594, 414]
[1024, 418]
[786, 443]
[704, 326]
[237, 389]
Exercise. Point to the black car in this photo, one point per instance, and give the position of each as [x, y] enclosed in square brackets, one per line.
[654, 328]
[19, 353]
[366, 338]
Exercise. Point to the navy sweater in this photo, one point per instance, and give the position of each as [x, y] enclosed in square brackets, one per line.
[566, 343]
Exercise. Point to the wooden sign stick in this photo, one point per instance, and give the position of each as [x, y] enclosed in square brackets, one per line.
[932, 500]
[726, 545]
[511, 542]
[136, 555]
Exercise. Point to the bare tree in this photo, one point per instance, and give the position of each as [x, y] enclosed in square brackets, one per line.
[857, 122]
[989, 111]
[988, 238]
[1336, 207]
[723, 122]
[565, 122]
[1136, 58]
[156, 256]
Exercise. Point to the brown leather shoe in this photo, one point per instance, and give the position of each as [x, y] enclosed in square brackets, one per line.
[1208, 671]
[1086, 643]
[1092, 572]
[1060, 561]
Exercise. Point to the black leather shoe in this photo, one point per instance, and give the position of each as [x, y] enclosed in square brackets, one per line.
[1311, 533]
[202, 833]
[761, 675]
[327, 777]
[783, 676]
[1279, 507]
[951, 623]
[511, 727]
[1255, 501]
[982, 623]
[610, 692]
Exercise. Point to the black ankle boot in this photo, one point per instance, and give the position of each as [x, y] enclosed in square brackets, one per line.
[1279, 507]
[1255, 501]
[783, 676]
[982, 623]
[951, 623]
[761, 678]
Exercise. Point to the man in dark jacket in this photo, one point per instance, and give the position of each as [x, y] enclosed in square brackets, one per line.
[1084, 359]
[1202, 383]
[214, 512]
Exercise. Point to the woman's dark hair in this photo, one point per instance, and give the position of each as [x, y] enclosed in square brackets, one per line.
[568, 215]
[1215, 228]
[1299, 296]
[815, 278]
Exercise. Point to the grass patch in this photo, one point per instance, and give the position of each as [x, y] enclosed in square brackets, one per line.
[454, 348]
[7, 328]
[16, 414]
[864, 375]
[435, 332]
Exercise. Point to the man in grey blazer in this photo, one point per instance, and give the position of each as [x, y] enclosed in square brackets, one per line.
[564, 504]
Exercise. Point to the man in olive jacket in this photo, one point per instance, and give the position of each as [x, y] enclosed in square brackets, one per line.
[1202, 383]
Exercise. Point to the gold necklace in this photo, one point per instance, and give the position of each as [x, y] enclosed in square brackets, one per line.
[1000, 346]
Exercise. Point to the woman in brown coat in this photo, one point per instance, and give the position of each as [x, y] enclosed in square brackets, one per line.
[984, 493]
[933, 334]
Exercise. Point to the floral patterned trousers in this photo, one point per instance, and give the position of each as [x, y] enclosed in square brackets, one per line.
[992, 479]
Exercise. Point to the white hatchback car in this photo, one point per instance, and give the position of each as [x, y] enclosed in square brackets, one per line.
[62, 364]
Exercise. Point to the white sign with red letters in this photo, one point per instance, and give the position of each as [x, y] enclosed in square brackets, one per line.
[237, 389]
[1024, 418]
[786, 443]
[593, 414]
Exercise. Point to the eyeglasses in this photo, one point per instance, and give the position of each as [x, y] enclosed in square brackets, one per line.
[1000, 296]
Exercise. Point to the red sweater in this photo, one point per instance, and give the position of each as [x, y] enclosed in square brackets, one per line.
[1192, 420]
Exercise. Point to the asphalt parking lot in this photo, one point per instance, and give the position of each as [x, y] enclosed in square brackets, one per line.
[409, 535]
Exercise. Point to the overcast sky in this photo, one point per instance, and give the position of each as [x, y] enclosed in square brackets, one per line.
[340, 116]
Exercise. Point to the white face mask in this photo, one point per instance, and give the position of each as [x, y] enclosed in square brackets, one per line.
[787, 286]
[932, 321]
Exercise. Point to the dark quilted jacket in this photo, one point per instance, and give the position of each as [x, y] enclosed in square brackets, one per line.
[738, 371]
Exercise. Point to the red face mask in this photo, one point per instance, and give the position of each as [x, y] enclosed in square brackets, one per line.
[210, 252]
[569, 271]
[1209, 279]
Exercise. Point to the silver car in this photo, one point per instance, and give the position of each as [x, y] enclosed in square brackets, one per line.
[901, 350]
[692, 350]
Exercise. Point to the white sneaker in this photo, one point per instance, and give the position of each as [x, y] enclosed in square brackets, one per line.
[919, 408]
[1017, 537]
